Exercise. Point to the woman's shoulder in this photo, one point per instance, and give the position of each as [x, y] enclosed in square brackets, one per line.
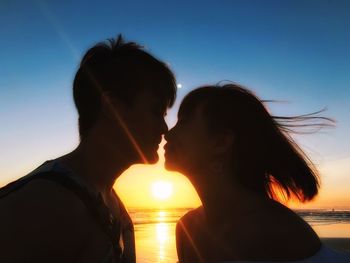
[194, 224]
[281, 217]
[271, 232]
[193, 214]
[193, 218]
[281, 231]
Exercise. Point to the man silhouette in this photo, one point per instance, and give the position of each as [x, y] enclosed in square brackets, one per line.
[66, 210]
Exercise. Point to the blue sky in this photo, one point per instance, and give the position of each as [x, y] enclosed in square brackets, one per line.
[295, 51]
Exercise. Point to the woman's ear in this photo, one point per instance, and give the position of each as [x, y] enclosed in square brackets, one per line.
[223, 142]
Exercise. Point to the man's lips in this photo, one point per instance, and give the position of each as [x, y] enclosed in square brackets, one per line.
[157, 142]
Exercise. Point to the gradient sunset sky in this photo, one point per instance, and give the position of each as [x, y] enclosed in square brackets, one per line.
[297, 52]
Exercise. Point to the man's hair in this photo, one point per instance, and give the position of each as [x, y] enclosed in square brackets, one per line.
[120, 70]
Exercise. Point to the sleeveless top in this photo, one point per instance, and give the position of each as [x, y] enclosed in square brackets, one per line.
[120, 231]
[324, 255]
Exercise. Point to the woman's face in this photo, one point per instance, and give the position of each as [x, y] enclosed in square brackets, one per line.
[189, 143]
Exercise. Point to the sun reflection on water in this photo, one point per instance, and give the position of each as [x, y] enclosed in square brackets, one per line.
[155, 240]
[162, 216]
[162, 232]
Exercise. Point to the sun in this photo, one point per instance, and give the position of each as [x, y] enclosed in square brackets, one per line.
[161, 190]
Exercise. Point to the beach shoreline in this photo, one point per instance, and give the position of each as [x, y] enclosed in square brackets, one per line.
[156, 241]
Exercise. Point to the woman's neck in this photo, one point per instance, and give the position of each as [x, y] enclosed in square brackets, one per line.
[96, 166]
[223, 197]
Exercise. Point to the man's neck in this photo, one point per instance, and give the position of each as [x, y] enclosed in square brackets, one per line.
[96, 165]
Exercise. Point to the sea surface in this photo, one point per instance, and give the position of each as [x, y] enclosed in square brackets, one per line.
[155, 230]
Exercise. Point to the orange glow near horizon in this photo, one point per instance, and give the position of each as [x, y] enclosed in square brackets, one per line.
[152, 186]
[134, 186]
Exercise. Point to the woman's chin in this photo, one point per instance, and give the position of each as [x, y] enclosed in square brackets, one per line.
[170, 166]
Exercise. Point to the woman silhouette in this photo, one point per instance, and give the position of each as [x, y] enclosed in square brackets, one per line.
[242, 160]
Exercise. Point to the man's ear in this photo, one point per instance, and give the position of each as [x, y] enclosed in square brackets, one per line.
[223, 142]
[111, 107]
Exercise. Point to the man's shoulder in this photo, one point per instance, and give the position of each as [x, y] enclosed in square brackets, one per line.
[45, 214]
[42, 192]
[43, 204]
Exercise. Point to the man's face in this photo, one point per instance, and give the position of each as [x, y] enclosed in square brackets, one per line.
[145, 124]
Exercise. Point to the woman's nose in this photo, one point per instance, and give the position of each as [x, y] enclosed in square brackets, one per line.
[164, 127]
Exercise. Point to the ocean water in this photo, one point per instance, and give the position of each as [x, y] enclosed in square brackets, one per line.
[324, 217]
[155, 234]
[155, 230]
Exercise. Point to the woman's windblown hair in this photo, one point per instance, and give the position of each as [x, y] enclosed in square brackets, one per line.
[265, 157]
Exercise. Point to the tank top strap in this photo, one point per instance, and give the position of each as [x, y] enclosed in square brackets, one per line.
[94, 203]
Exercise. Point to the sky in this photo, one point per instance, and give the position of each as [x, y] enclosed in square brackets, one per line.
[297, 52]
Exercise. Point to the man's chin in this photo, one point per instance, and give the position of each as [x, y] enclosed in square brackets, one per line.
[152, 158]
